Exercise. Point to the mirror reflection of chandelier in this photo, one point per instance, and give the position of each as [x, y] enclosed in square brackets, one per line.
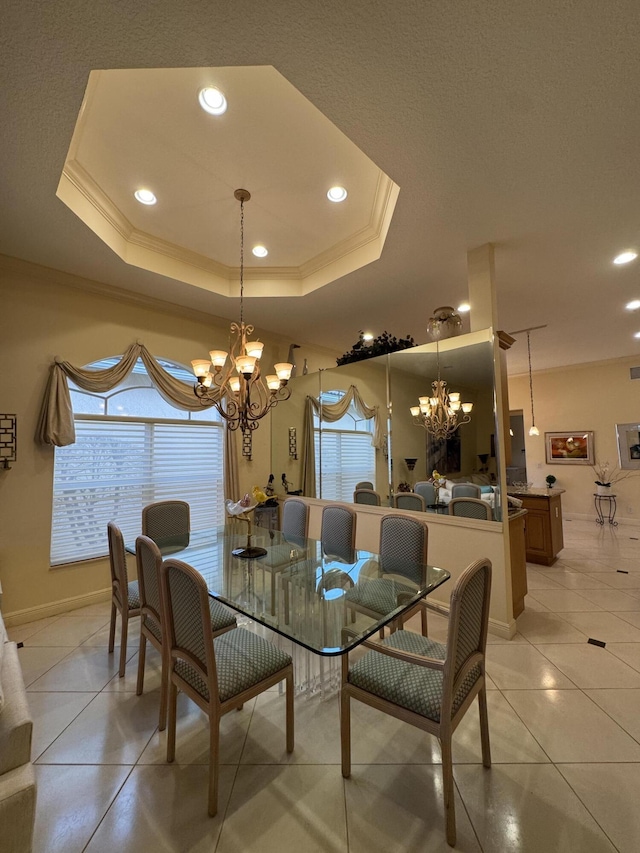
[443, 412]
[232, 381]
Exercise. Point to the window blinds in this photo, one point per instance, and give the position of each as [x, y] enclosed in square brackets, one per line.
[116, 467]
[345, 459]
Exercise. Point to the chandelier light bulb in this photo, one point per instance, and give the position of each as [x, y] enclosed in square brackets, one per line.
[283, 369]
[273, 383]
[234, 384]
[200, 368]
[218, 358]
[254, 348]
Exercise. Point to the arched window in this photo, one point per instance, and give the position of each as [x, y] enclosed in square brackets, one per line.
[132, 448]
[344, 452]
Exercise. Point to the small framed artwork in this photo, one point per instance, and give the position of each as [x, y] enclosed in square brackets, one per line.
[569, 448]
[629, 446]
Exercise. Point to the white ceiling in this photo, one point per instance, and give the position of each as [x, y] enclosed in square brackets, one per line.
[507, 122]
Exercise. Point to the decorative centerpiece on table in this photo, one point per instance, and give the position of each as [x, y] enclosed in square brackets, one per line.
[607, 476]
[241, 510]
[438, 482]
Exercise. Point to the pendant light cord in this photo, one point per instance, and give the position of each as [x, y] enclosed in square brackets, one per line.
[533, 420]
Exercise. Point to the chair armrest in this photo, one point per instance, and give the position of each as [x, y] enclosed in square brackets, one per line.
[400, 654]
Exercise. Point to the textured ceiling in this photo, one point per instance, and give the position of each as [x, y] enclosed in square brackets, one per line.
[506, 122]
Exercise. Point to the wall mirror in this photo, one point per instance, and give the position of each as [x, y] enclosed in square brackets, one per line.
[361, 429]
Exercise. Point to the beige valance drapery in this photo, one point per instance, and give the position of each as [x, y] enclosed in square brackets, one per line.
[332, 412]
[56, 426]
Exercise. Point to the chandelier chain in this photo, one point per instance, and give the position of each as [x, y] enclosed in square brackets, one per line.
[533, 420]
[242, 261]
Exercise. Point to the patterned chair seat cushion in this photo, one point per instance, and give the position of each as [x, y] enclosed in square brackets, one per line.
[378, 594]
[417, 688]
[242, 660]
[133, 594]
[221, 616]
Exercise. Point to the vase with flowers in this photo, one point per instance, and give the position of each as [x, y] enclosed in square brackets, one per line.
[438, 482]
[608, 475]
[242, 510]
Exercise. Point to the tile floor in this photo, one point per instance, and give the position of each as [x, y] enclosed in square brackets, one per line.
[565, 735]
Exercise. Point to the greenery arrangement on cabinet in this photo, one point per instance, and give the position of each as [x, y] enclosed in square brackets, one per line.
[383, 344]
[550, 481]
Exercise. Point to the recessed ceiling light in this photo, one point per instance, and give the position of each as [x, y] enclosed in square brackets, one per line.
[145, 197]
[464, 307]
[625, 258]
[337, 194]
[633, 305]
[367, 336]
[212, 101]
[262, 252]
[637, 335]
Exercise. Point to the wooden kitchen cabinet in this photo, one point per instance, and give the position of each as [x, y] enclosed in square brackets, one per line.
[543, 525]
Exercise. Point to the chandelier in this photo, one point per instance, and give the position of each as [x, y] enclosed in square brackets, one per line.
[442, 413]
[232, 381]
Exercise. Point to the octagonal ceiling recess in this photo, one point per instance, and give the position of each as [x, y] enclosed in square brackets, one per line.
[144, 128]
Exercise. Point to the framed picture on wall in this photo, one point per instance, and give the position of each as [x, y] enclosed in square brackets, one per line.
[569, 448]
[629, 445]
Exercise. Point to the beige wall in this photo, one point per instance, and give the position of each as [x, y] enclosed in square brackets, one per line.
[45, 313]
[584, 397]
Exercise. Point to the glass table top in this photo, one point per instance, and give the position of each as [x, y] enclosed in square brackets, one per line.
[328, 604]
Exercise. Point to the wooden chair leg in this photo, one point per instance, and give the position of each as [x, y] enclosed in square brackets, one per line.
[142, 654]
[171, 734]
[123, 645]
[345, 732]
[423, 620]
[447, 790]
[484, 728]
[164, 694]
[214, 753]
[289, 712]
[112, 627]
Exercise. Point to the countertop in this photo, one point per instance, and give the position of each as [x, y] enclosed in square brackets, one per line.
[535, 493]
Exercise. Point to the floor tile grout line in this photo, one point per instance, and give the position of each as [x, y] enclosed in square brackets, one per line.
[111, 804]
[586, 807]
[38, 757]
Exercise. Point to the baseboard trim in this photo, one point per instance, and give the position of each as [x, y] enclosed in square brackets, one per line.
[55, 608]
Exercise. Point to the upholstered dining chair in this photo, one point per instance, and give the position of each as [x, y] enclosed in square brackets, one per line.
[364, 484]
[125, 595]
[149, 560]
[167, 521]
[465, 490]
[428, 684]
[402, 552]
[366, 496]
[470, 508]
[218, 673]
[295, 520]
[338, 532]
[425, 488]
[409, 500]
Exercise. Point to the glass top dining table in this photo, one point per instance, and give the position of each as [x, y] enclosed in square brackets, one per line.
[326, 603]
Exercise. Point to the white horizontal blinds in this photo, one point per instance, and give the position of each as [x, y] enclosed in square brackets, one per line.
[117, 466]
[345, 459]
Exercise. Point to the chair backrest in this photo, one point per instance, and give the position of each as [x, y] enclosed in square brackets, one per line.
[148, 561]
[465, 490]
[168, 522]
[470, 508]
[118, 564]
[403, 546]
[187, 622]
[295, 519]
[366, 496]
[468, 626]
[409, 500]
[364, 484]
[427, 491]
[338, 532]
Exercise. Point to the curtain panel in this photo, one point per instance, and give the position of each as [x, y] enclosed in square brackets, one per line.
[56, 426]
[330, 413]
